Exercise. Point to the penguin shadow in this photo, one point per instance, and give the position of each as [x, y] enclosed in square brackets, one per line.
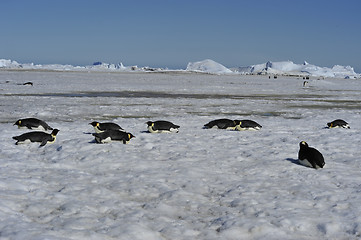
[294, 161]
[88, 133]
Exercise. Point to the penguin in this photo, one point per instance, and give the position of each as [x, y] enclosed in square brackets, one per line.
[113, 135]
[37, 136]
[101, 127]
[162, 126]
[33, 123]
[242, 125]
[221, 124]
[338, 123]
[310, 157]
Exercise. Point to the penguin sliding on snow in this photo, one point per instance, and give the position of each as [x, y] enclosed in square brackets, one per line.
[242, 125]
[33, 123]
[37, 136]
[338, 123]
[162, 126]
[221, 124]
[113, 135]
[310, 157]
[101, 127]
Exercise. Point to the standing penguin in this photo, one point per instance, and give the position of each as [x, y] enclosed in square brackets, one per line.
[338, 123]
[101, 127]
[310, 157]
[32, 123]
[242, 125]
[221, 124]
[113, 135]
[162, 126]
[37, 136]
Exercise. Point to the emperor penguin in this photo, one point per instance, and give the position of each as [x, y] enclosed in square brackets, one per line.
[113, 135]
[222, 124]
[37, 136]
[338, 123]
[242, 125]
[162, 126]
[310, 157]
[101, 127]
[32, 123]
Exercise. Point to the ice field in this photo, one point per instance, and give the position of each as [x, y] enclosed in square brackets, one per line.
[195, 184]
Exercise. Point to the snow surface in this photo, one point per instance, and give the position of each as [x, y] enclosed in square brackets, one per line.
[286, 68]
[196, 184]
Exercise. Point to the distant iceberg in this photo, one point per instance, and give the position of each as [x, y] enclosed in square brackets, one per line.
[291, 69]
[207, 66]
[286, 68]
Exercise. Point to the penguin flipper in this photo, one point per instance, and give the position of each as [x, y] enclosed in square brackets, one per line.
[43, 143]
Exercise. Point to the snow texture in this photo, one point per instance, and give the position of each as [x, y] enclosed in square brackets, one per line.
[195, 184]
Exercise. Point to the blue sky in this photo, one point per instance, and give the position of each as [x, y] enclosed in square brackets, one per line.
[168, 33]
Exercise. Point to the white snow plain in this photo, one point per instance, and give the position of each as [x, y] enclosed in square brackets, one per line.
[195, 184]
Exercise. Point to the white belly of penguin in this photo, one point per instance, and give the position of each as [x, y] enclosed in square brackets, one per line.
[97, 130]
[24, 142]
[306, 163]
[106, 140]
[247, 128]
[39, 128]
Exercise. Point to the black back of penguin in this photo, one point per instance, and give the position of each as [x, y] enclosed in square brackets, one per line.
[101, 127]
[221, 123]
[32, 123]
[310, 157]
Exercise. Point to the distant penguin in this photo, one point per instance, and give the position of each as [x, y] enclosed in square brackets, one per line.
[242, 125]
[37, 136]
[33, 123]
[305, 83]
[101, 127]
[113, 135]
[221, 124]
[310, 157]
[162, 126]
[338, 123]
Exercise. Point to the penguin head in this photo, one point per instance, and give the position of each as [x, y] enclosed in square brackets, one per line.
[54, 132]
[150, 123]
[330, 125]
[18, 122]
[94, 124]
[303, 144]
[237, 122]
[130, 136]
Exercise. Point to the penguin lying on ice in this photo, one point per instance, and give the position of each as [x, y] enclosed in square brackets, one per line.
[32, 123]
[37, 136]
[113, 135]
[162, 126]
[338, 123]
